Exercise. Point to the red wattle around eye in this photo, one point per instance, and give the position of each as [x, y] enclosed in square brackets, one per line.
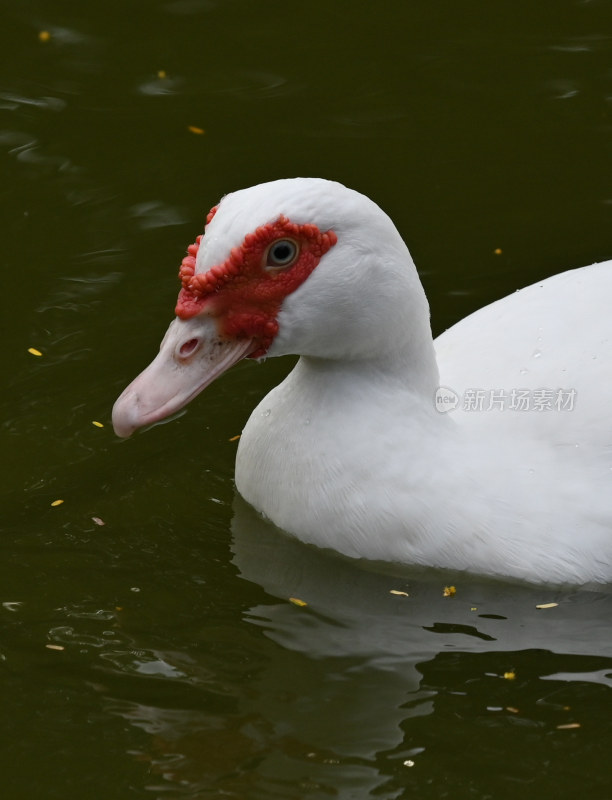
[246, 291]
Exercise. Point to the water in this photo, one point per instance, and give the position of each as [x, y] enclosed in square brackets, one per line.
[158, 655]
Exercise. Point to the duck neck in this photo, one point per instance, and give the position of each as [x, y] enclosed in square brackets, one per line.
[409, 372]
[406, 363]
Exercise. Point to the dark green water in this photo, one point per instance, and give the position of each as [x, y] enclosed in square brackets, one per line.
[185, 672]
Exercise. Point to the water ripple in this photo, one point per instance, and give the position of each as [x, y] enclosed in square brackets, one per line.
[161, 85]
[11, 102]
[25, 148]
[155, 214]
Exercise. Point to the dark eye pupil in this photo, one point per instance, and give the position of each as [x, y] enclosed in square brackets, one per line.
[282, 252]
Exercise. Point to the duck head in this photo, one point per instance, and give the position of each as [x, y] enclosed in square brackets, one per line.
[303, 266]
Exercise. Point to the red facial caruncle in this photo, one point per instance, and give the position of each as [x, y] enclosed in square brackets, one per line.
[245, 292]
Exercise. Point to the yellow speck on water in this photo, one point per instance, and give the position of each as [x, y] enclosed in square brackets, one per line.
[509, 676]
[34, 352]
[97, 424]
[234, 438]
[547, 605]
[474, 608]
[194, 129]
[449, 591]
[297, 602]
[54, 647]
[498, 251]
[57, 502]
[161, 73]
[44, 36]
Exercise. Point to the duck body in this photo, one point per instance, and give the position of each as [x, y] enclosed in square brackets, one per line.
[355, 450]
[355, 457]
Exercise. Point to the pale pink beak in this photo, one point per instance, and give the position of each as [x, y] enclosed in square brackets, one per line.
[191, 355]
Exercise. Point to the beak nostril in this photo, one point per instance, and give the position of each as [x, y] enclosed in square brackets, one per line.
[188, 347]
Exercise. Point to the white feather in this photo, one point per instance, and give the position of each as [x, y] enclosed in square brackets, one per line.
[349, 452]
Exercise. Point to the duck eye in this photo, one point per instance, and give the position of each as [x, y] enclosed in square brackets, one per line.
[282, 253]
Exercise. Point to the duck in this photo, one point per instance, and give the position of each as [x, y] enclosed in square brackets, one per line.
[487, 450]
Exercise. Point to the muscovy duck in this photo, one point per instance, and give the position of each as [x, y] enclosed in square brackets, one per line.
[488, 450]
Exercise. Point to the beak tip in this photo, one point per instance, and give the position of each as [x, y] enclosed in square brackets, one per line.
[122, 416]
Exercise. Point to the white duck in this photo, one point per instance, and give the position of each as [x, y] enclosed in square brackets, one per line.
[351, 451]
